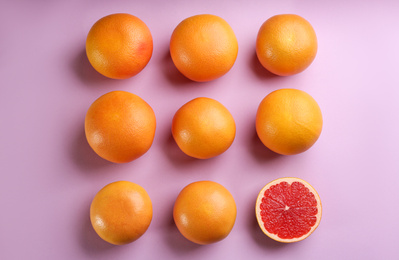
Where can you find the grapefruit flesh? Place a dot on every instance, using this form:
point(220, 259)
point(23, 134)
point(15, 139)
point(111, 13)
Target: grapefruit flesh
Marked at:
point(288, 209)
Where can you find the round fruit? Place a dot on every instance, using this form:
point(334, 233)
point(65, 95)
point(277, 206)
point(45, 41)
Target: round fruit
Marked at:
point(121, 212)
point(288, 121)
point(120, 126)
point(203, 47)
point(203, 128)
point(286, 44)
point(119, 46)
point(204, 212)
point(288, 210)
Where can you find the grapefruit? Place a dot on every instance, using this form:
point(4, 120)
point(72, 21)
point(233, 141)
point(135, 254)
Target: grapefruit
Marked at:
point(121, 212)
point(286, 44)
point(203, 47)
point(288, 209)
point(203, 128)
point(205, 212)
point(288, 121)
point(119, 46)
point(120, 126)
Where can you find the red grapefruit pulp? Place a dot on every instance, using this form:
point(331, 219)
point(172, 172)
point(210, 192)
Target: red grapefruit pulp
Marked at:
point(288, 209)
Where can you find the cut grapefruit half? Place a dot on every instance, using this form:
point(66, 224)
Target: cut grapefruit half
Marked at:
point(288, 209)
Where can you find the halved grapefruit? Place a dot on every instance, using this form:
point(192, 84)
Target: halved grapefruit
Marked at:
point(288, 209)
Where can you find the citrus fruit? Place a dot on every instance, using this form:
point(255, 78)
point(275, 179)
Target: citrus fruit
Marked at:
point(119, 46)
point(203, 47)
point(288, 121)
point(286, 44)
point(203, 128)
point(121, 212)
point(288, 209)
point(120, 126)
point(204, 212)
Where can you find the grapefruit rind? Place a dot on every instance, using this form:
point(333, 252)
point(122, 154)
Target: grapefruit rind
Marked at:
point(289, 180)
point(121, 212)
point(204, 212)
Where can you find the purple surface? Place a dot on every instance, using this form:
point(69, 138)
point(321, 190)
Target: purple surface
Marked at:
point(49, 174)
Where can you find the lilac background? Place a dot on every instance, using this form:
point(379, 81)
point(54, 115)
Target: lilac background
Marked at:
point(49, 174)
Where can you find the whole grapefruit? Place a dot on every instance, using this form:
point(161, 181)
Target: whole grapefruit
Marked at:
point(288, 121)
point(119, 46)
point(205, 212)
point(120, 126)
point(203, 47)
point(121, 212)
point(203, 128)
point(286, 44)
